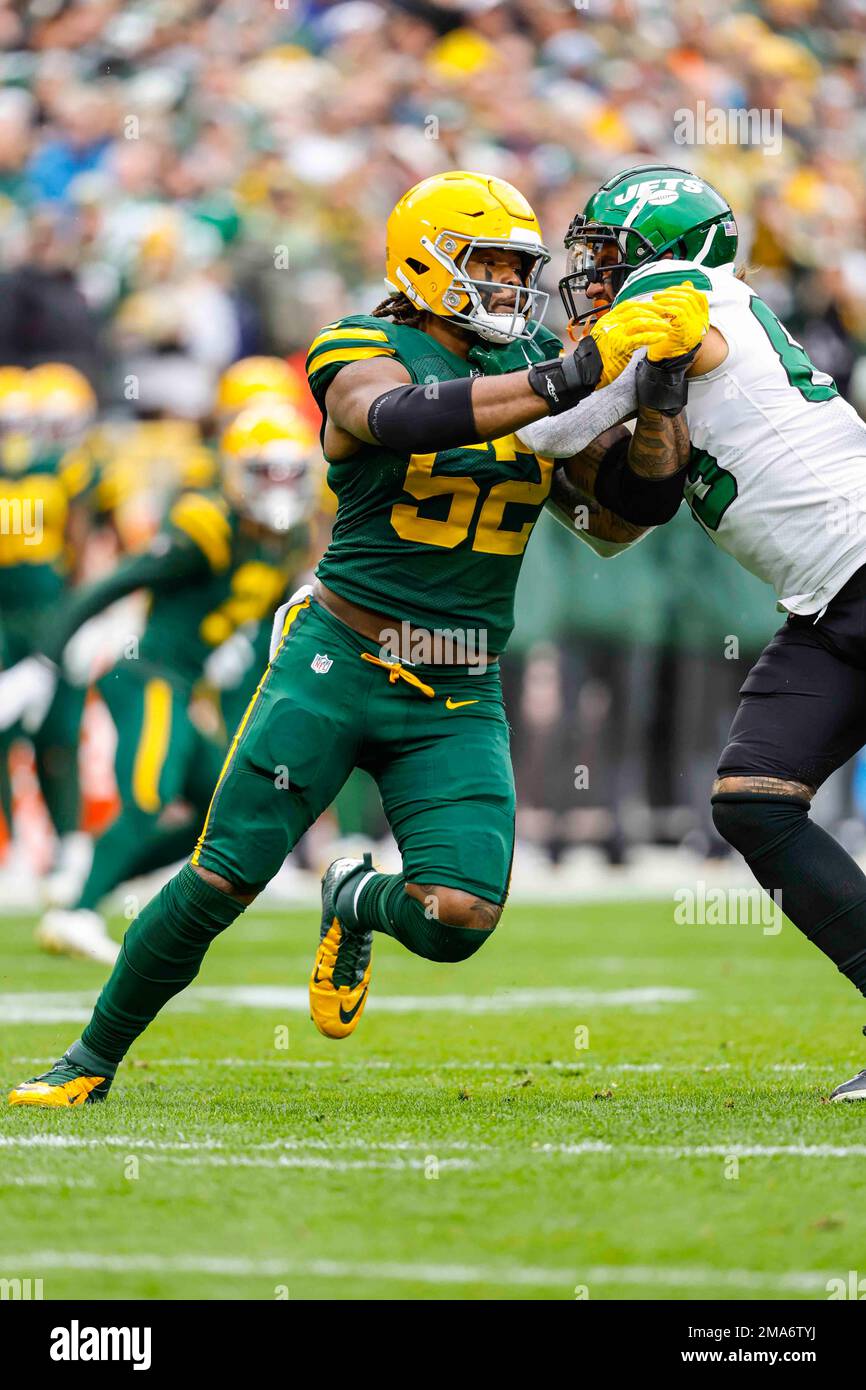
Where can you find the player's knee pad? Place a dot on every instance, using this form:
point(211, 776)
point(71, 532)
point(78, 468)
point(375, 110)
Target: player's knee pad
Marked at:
point(754, 823)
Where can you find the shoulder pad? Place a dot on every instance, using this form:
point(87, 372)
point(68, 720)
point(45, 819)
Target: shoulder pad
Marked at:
point(205, 521)
point(353, 339)
point(663, 275)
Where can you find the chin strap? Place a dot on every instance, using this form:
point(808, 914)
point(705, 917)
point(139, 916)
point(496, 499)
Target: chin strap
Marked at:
point(487, 327)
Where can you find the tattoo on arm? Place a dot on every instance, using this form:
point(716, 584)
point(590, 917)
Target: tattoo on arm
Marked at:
point(573, 486)
point(660, 446)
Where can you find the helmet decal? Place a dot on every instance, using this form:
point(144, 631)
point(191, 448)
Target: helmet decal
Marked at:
point(642, 215)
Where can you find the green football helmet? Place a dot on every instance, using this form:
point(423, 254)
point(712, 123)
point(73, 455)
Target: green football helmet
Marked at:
point(648, 212)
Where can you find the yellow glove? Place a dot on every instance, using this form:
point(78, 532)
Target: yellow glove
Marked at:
point(622, 330)
point(687, 313)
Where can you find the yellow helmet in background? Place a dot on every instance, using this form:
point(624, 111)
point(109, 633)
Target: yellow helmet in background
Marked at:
point(16, 418)
point(270, 456)
point(252, 378)
point(16, 401)
point(64, 402)
point(434, 230)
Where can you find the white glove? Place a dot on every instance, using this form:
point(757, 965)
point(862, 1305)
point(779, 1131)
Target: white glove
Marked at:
point(26, 692)
point(280, 616)
point(227, 665)
point(560, 436)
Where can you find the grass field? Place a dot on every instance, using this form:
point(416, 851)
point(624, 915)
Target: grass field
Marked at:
point(460, 1145)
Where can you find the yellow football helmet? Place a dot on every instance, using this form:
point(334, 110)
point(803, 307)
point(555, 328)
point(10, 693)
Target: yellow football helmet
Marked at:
point(16, 400)
point(270, 455)
point(434, 230)
point(64, 402)
point(253, 377)
point(16, 420)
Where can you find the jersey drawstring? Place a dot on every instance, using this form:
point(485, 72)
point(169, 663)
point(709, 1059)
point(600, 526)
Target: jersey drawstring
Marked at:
point(399, 673)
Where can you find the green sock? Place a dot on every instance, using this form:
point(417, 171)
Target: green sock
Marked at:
point(384, 905)
point(161, 953)
point(57, 769)
point(117, 855)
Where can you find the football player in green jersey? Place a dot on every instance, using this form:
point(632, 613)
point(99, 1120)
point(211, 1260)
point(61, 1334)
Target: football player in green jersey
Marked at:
point(217, 565)
point(377, 666)
point(46, 489)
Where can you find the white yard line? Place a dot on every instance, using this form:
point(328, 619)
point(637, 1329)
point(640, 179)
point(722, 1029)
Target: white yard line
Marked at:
point(333, 1165)
point(45, 1007)
point(447, 1064)
point(576, 1149)
point(732, 1150)
point(46, 1180)
point(801, 1281)
point(209, 1145)
point(503, 1001)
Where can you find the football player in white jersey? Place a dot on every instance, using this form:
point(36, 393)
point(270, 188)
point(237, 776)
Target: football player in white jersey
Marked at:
point(777, 477)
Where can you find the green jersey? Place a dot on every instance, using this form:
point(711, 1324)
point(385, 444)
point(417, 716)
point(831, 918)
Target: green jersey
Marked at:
point(436, 539)
point(207, 575)
point(34, 512)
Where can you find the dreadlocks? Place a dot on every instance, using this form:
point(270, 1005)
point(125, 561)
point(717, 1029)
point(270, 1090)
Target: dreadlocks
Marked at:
point(400, 310)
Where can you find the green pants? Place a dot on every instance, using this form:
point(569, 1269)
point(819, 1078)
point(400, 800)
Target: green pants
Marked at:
point(55, 743)
point(441, 761)
point(160, 756)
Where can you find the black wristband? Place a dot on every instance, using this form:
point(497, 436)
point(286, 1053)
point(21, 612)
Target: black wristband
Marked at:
point(564, 382)
point(641, 501)
point(663, 385)
point(425, 419)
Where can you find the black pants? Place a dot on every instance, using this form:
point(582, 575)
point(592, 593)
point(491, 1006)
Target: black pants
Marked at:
point(802, 710)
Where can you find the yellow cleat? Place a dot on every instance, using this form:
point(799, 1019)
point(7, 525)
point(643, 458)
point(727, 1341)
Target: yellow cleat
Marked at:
point(64, 1085)
point(340, 977)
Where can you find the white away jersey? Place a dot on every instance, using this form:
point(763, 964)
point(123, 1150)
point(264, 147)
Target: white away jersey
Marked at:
point(778, 466)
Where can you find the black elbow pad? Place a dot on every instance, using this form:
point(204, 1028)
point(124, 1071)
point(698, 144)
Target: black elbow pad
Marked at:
point(424, 419)
point(641, 501)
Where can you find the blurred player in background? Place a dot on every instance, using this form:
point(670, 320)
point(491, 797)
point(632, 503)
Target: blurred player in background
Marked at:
point(222, 562)
point(47, 482)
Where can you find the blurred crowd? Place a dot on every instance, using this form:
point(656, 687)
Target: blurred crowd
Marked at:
point(198, 179)
point(186, 182)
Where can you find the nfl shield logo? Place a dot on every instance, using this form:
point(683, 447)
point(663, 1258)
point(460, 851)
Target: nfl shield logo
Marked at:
point(320, 664)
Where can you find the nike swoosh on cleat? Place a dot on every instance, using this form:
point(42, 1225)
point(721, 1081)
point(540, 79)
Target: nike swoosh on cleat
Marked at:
point(347, 1017)
point(457, 704)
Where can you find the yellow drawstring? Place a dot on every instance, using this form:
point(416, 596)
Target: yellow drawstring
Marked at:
point(399, 673)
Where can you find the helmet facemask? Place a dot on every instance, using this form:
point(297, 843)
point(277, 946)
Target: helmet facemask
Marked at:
point(274, 487)
point(584, 242)
point(61, 423)
point(529, 302)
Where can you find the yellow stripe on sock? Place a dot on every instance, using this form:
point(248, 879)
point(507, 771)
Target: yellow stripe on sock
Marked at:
point(290, 618)
point(152, 746)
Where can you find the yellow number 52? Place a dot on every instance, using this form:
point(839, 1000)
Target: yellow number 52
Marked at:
point(464, 492)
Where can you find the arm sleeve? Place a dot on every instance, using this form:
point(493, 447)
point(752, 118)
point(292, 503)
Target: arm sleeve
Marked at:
point(561, 436)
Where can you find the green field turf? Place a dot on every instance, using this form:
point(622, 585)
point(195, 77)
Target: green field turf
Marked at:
point(470, 1151)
